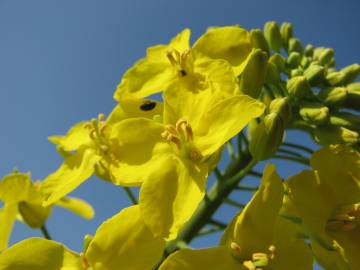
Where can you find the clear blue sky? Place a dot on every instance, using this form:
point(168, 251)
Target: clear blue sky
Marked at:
point(60, 62)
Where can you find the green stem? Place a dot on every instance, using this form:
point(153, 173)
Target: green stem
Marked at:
point(246, 188)
point(285, 151)
point(130, 195)
point(300, 147)
point(45, 232)
point(230, 149)
point(295, 159)
point(234, 203)
point(206, 231)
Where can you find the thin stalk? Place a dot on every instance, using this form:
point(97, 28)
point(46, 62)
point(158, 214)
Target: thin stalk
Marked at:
point(234, 203)
point(254, 173)
point(45, 232)
point(285, 151)
point(207, 231)
point(217, 223)
point(300, 147)
point(290, 158)
point(130, 195)
point(246, 188)
point(218, 174)
point(230, 149)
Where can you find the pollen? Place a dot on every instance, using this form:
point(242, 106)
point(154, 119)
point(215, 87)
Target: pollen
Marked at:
point(180, 61)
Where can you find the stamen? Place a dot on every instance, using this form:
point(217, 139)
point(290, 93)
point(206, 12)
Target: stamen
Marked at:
point(345, 218)
point(235, 248)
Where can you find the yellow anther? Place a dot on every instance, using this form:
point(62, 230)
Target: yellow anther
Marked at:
point(345, 218)
point(101, 117)
point(235, 248)
point(249, 265)
point(184, 129)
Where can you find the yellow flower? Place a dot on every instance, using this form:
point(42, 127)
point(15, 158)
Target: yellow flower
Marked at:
point(22, 199)
point(327, 199)
point(122, 242)
point(87, 149)
point(257, 238)
point(213, 62)
point(173, 158)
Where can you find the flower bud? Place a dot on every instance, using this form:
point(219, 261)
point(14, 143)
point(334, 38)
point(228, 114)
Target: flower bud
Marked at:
point(295, 46)
point(296, 72)
point(314, 113)
point(258, 40)
point(309, 50)
point(282, 107)
point(315, 74)
point(286, 31)
point(351, 73)
point(273, 36)
point(336, 78)
point(353, 96)
point(34, 215)
point(294, 60)
point(345, 119)
point(267, 137)
point(86, 242)
point(333, 95)
point(278, 60)
point(326, 56)
point(298, 87)
point(253, 76)
point(305, 61)
point(326, 135)
point(272, 74)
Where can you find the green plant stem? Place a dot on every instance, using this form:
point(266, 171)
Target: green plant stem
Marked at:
point(254, 173)
point(234, 203)
point(207, 231)
point(300, 147)
point(233, 174)
point(246, 188)
point(45, 232)
point(230, 149)
point(290, 158)
point(285, 151)
point(130, 195)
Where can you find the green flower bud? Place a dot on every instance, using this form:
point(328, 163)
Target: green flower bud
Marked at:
point(273, 36)
point(345, 119)
point(278, 60)
point(294, 60)
point(298, 87)
point(314, 113)
point(295, 46)
point(253, 76)
point(258, 40)
point(309, 50)
point(353, 96)
point(333, 95)
point(296, 72)
point(282, 107)
point(34, 215)
point(315, 74)
point(336, 78)
point(326, 135)
point(272, 74)
point(267, 137)
point(351, 73)
point(286, 31)
point(326, 56)
point(305, 61)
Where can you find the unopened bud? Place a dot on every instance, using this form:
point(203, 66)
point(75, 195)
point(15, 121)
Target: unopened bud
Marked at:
point(315, 74)
point(253, 76)
point(278, 60)
point(326, 56)
point(326, 135)
point(282, 107)
point(314, 113)
point(295, 46)
point(345, 119)
point(272, 74)
point(294, 60)
point(353, 96)
point(34, 215)
point(273, 36)
point(309, 50)
point(258, 40)
point(333, 95)
point(267, 137)
point(298, 87)
point(351, 73)
point(305, 61)
point(336, 78)
point(296, 72)
point(286, 31)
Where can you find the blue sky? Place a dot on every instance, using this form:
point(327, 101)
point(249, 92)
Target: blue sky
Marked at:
point(60, 62)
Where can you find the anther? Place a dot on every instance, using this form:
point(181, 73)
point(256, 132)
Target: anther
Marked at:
point(236, 250)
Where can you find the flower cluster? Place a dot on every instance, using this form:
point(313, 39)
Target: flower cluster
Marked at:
point(178, 108)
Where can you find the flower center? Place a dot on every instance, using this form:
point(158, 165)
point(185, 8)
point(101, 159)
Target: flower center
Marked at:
point(180, 61)
point(182, 136)
point(345, 218)
point(258, 260)
point(97, 129)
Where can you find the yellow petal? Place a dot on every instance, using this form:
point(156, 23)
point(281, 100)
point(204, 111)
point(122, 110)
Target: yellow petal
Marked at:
point(224, 120)
point(130, 108)
point(17, 187)
point(124, 242)
point(217, 258)
point(7, 219)
point(76, 137)
point(254, 227)
point(170, 195)
point(39, 254)
point(77, 206)
point(34, 215)
point(329, 259)
point(140, 147)
point(153, 73)
point(75, 170)
point(230, 43)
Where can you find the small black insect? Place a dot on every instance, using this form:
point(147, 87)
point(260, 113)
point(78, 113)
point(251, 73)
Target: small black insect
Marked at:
point(183, 73)
point(148, 105)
